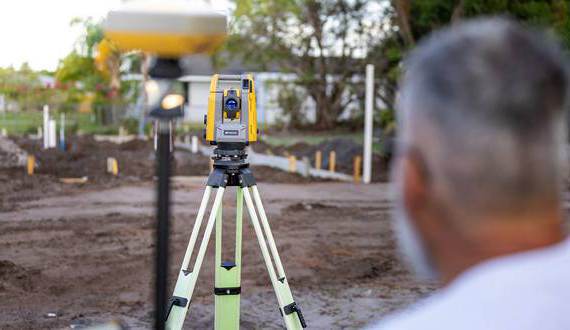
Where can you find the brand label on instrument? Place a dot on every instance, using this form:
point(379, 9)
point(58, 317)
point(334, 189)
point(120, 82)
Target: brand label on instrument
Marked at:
point(232, 132)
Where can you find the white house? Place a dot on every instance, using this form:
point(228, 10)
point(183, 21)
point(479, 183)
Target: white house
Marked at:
point(267, 84)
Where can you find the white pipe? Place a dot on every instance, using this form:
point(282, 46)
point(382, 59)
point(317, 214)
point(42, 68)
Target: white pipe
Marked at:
point(194, 144)
point(52, 143)
point(46, 126)
point(368, 124)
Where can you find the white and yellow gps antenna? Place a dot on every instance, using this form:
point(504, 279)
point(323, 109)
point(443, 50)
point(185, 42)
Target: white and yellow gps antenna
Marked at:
point(169, 29)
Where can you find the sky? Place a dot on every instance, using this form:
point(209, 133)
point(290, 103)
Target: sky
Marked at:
point(38, 31)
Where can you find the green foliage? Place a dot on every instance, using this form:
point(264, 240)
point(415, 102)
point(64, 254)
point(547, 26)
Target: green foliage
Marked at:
point(28, 122)
point(24, 87)
point(91, 36)
point(76, 67)
point(102, 84)
point(387, 117)
point(130, 124)
point(427, 15)
point(321, 42)
point(290, 99)
point(423, 17)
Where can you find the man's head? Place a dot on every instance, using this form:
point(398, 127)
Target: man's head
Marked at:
point(481, 145)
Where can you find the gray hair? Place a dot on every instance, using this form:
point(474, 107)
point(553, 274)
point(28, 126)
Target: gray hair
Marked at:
point(483, 103)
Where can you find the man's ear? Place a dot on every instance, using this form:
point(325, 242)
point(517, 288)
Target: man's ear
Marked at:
point(416, 184)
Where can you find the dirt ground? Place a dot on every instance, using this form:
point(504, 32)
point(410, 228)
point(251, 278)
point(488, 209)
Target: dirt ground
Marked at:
point(81, 254)
point(84, 256)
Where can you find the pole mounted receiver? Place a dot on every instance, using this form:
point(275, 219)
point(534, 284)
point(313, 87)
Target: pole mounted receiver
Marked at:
point(168, 30)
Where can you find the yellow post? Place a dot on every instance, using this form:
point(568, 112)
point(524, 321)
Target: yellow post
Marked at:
point(112, 166)
point(332, 161)
point(357, 164)
point(115, 167)
point(318, 160)
point(31, 164)
point(292, 164)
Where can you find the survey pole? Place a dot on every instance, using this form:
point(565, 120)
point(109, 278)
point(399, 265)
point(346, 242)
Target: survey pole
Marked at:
point(368, 124)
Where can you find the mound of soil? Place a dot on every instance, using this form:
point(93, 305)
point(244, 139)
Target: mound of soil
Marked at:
point(346, 150)
point(86, 157)
point(10, 154)
point(136, 159)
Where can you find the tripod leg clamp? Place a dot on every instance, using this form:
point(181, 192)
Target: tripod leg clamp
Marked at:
point(175, 301)
point(218, 178)
point(293, 308)
point(227, 291)
point(246, 178)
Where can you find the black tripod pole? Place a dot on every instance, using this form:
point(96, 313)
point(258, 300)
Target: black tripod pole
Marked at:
point(162, 222)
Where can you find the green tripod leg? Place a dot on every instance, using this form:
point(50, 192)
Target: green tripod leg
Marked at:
point(188, 276)
point(289, 309)
point(228, 275)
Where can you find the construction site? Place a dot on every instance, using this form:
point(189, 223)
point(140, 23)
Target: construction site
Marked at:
point(229, 164)
point(76, 253)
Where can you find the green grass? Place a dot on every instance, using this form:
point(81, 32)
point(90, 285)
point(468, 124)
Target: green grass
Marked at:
point(27, 122)
point(18, 123)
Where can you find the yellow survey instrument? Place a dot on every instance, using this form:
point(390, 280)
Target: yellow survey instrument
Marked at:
point(232, 115)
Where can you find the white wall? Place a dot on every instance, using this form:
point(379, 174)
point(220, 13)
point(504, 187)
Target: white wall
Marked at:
point(198, 92)
point(267, 85)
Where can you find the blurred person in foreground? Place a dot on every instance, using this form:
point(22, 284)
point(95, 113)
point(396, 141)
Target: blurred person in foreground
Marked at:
point(479, 174)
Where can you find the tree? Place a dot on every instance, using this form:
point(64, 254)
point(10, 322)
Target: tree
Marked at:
point(321, 42)
point(413, 20)
point(93, 69)
point(326, 44)
point(24, 87)
point(416, 19)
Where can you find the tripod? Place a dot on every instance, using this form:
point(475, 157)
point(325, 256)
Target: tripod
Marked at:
point(231, 169)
